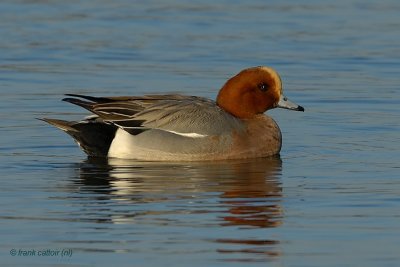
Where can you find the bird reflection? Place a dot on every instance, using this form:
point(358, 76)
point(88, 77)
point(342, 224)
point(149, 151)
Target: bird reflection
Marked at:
point(253, 196)
point(248, 194)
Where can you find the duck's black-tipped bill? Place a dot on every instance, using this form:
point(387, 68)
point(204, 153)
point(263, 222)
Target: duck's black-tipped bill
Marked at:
point(287, 104)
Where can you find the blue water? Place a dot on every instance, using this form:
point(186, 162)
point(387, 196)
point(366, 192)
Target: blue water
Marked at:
point(331, 199)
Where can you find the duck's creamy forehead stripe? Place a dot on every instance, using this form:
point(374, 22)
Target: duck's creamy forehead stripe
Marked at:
point(274, 75)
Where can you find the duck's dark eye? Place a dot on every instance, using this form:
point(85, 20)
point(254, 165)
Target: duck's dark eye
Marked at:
point(263, 87)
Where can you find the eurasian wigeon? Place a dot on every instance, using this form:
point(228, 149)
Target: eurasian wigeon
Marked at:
point(179, 127)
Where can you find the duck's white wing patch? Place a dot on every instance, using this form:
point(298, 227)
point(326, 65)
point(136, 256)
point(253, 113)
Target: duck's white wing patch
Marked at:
point(191, 135)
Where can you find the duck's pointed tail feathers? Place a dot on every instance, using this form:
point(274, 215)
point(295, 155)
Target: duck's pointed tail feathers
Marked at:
point(93, 136)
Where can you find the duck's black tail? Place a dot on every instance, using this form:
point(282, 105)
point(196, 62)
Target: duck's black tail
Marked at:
point(94, 136)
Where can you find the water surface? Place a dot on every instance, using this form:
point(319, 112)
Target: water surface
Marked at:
point(330, 199)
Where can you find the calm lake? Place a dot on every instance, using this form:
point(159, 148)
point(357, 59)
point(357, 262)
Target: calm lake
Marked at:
point(332, 198)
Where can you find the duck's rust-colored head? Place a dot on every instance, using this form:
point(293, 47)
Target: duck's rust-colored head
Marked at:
point(254, 91)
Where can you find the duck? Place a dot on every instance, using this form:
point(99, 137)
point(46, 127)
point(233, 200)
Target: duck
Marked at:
point(175, 127)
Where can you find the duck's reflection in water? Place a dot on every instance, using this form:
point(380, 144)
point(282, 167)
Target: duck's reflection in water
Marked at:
point(245, 194)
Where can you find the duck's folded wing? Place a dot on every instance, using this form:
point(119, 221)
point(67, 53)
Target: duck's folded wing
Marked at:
point(174, 113)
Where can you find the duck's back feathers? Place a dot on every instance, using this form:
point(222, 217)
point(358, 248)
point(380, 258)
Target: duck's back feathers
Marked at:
point(175, 113)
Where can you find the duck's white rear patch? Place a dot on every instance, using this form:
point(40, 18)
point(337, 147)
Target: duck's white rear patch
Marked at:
point(123, 145)
point(141, 146)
